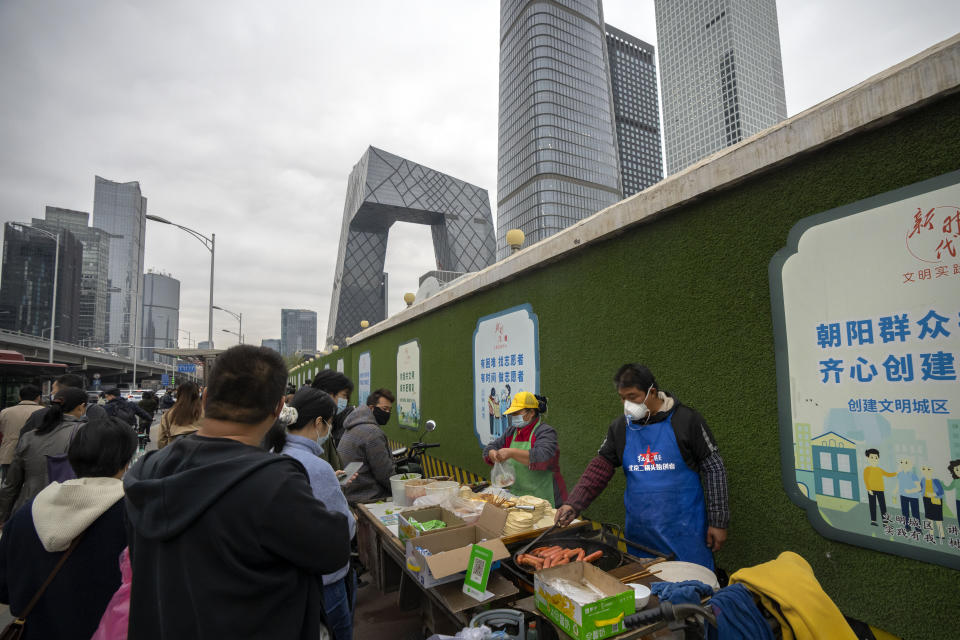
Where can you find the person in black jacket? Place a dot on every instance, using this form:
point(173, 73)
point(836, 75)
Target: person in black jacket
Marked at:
point(339, 387)
point(119, 407)
point(89, 507)
point(229, 538)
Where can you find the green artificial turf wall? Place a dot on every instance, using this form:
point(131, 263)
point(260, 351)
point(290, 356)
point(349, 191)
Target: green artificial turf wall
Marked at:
point(688, 295)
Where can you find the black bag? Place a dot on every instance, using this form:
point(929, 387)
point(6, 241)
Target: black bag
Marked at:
point(121, 409)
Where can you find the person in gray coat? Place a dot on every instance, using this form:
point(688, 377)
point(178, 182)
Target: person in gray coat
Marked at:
point(27, 475)
point(364, 441)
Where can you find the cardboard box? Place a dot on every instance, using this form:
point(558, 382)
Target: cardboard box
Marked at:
point(593, 621)
point(443, 556)
point(406, 531)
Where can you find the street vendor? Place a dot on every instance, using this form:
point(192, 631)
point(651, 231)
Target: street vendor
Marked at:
point(531, 448)
point(676, 497)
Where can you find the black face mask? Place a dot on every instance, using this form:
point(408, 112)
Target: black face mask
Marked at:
point(381, 416)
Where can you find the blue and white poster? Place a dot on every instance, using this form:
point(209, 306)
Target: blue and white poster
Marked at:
point(363, 378)
point(506, 361)
point(340, 365)
point(408, 384)
point(866, 302)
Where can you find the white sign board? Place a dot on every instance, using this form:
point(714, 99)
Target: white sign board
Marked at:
point(340, 365)
point(408, 384)
point(363, 378)
point(866, 304)
point(506, 361)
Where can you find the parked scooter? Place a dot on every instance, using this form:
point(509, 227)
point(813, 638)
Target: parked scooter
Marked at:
point(407, 459)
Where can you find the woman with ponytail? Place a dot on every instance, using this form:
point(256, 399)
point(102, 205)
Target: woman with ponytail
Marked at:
point(28, 471)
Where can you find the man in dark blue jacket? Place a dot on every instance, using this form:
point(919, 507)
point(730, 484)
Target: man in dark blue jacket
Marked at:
point(228, 537)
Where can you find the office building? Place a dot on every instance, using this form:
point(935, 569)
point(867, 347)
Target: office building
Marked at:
point(298, 331)
point(161, 313)
point(633, 80)
point(271, 343)
point(720, 74)
point(557, 156)
point(95, 278)
point(120, 210)
point(204, 344)
point(26, 290)
point(384, 188)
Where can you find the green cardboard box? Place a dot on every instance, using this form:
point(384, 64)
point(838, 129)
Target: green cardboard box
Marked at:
point(593, 621)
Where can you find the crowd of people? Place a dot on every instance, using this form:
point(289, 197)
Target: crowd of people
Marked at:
point(239, 524)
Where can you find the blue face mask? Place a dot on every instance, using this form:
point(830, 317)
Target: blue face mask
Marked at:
point(341, 404)
point(517, 420)
point(322, 439)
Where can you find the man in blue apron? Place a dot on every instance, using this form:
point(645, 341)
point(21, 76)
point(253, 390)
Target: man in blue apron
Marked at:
point(676, 496)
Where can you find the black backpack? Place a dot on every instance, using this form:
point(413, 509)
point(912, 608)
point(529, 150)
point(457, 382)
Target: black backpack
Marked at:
point(122, 409)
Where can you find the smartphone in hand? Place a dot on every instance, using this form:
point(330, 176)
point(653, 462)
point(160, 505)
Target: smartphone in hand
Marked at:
point(349, 471)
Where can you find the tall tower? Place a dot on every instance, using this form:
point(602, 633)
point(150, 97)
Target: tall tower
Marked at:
point(120, 209)
point(721, 74)
point(29, 260)
point(298, 331)
point(633, 78)
point(95, 278)
point(383, 189)
point(557, 159)
point(161, 313)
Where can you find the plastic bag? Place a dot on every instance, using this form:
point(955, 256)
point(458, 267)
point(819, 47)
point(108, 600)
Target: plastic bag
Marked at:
point(502, 475)
point(464, 508)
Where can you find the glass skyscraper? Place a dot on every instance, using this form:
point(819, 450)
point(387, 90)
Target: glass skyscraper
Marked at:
point(721, 74)
point(95, 279)
point(161, 313)
point(120, 209)
point(27, 289)
point(633, 78)
point(298, 331)
point(557, 159)
point(383, 189)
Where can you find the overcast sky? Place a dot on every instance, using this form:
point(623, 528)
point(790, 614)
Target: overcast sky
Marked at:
point(244, 119)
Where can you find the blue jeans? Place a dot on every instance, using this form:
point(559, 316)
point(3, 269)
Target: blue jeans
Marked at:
point(339, 609)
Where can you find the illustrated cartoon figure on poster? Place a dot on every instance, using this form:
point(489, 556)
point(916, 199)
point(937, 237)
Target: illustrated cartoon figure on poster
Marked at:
point(932, 498)
point(909, 487)
point(505, 397)
point(954, 469)
point(493, 408)
point(873, 477)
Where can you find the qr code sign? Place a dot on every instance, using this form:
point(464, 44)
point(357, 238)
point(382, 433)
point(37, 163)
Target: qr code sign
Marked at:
point(476, 572)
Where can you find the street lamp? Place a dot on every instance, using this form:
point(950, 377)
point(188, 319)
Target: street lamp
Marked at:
point(56, 269)
point(234, 333)
point(189, 339)
point(239, 317)
point(210, 244)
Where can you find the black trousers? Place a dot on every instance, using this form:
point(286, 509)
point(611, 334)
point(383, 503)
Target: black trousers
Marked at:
point(873, 497)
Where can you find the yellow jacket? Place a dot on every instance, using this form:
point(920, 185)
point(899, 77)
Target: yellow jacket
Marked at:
point(789, 590)
point(873, 478)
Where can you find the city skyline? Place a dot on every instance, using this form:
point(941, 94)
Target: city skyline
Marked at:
point(189, 110)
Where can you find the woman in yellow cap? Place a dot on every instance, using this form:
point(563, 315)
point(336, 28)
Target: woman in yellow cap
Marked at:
point(530, 446)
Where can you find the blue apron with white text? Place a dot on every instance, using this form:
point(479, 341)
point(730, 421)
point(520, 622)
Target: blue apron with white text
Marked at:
point(664, 497)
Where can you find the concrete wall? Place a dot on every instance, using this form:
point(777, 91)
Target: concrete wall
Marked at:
point(676, 277)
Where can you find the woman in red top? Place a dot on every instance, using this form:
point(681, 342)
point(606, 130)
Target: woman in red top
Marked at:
point(531, 448)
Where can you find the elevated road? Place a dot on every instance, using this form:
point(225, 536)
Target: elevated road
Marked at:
point(112, 368)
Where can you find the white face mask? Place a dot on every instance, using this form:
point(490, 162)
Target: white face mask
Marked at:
point(637, 412)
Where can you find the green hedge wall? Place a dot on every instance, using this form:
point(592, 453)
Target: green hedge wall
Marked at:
point(688, 295)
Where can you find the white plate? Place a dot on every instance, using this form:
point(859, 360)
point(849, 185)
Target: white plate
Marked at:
point(676, 571)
